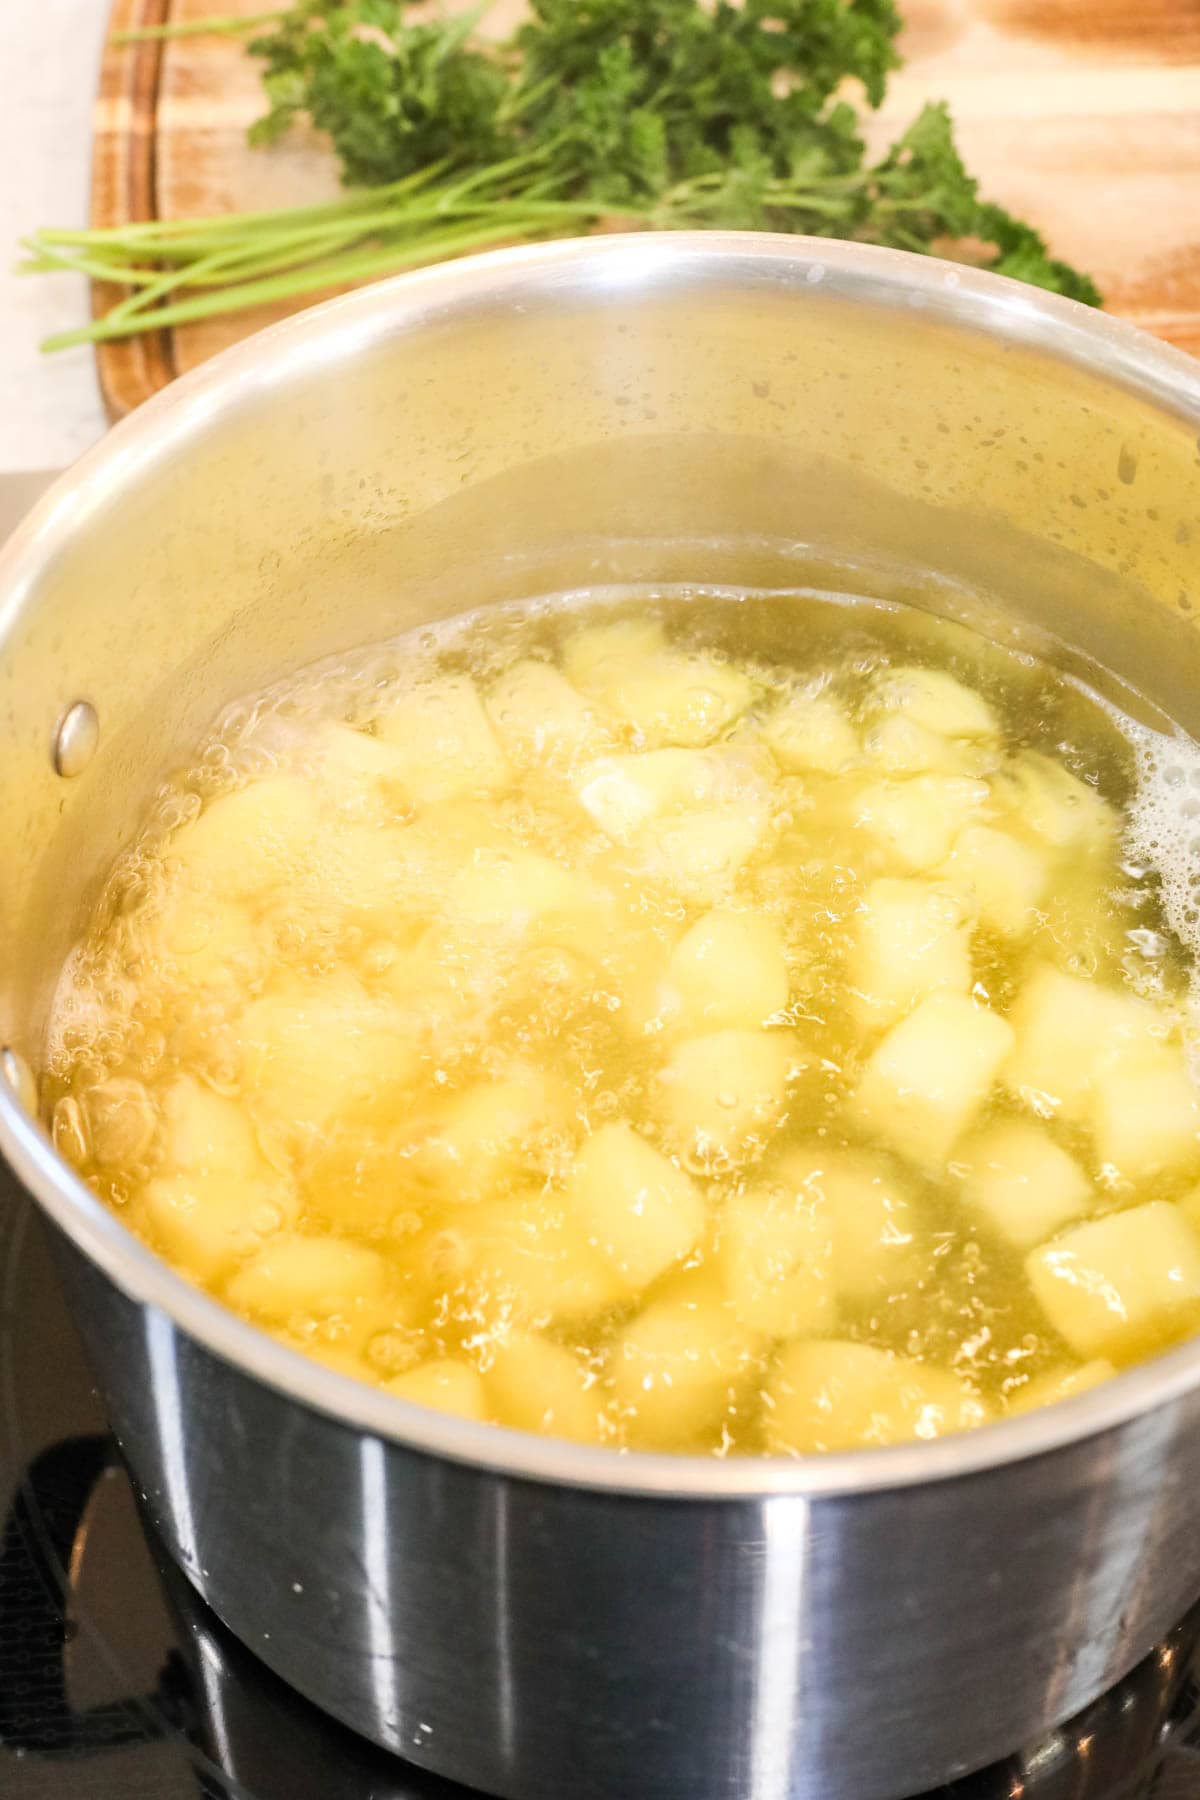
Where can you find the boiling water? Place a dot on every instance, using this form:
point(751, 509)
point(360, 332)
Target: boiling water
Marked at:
point(717, 1021)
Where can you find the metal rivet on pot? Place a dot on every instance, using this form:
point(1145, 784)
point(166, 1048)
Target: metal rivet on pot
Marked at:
point(76, 738)
point(19, 1076)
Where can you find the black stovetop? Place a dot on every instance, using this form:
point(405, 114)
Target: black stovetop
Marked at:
point(116, 1683)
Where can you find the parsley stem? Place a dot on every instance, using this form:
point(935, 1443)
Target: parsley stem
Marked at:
point(229, 26)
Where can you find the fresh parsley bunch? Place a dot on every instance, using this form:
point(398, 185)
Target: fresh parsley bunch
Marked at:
point(658, 113)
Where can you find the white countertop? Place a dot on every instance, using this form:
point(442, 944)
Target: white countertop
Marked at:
point(50, 407)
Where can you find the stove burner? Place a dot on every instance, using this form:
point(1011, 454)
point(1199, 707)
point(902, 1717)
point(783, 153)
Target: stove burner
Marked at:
point(117, 1683)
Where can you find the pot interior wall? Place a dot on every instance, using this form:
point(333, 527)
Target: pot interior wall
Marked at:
point(454, 450)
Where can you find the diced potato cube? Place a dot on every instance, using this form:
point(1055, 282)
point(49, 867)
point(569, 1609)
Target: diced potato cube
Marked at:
point(447, 746)
point(447, 1385)
point(489, 1133)
point(597, 657)
point(623, 794)
point(702, 855)
point(525, 1261)
point(1054, 804)
point(1021, 1182)
point(354, 1183)
point(1122, 1283)
point(899, 746)
point(248, 842)
point(684, 697)
point(936, 701)
point(361, 775)
point(677, 1367)
point(932, 1072)
point(871, 1215)
point(540, 718)
point(516, 889)
point(633, 1204)
point(810, 732)
point(207, 1219)
point(727, 969)
point(360, 873)
point(776, 1260)
point(1069, 1031)
point(537, 1385)
point(721, 1096)
point(300, 1276)
point(1061, 1384)
point(1005, 878)
point(697, 816)
point(836, 1395)
point(668, 695)
point(915, 822)
point(1145, 1118)
point(911, 939)
point(202, 1130)
point(313, 1051)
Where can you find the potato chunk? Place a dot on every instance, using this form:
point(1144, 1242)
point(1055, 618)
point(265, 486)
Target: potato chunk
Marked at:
point(937, 702)
point(1061, 1384)
point(668, 695)
point(702, 855)
point(361, 776)
point(312, 1051)
point(246, 843)
point(870, 1212)
point(911, 939)
point(678, 1366)
point(359, 873)
point(202, 1130)
point(1055, 805)
point(728, 969)
point(208, 1219)
point(516, 889)
point(1021, 1182)
point(489, 1133)
point(540, 718)
point(1145, 1118)
point(520, 1262)
point(915, 822)
point(1005, 879)
point(624, 794)
point(296, 1275)
point(899, 746)
point(447, 1384)
point(811, 732)
point(1126, 1282)
point(932, 1072)
point(447, 747)
point(596, 657)
point(638, 1209)
point(776, 1259)
point(843, 1396)
point(722, 1095)
point(537, 1385)
point(1069, 1031)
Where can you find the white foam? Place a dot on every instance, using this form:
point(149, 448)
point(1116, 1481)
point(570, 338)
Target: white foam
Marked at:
point(1163, 834)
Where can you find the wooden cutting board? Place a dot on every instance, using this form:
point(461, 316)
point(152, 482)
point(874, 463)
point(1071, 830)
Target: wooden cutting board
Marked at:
point(1083, 115)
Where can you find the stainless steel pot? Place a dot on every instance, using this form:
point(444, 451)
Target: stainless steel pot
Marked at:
point(531, 1617)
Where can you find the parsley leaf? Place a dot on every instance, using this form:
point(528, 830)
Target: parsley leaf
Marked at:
point(659, 113)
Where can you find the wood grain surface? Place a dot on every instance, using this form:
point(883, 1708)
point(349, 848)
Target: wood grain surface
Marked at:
point(1082, 115)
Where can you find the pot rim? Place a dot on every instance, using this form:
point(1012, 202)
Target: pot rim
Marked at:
point(631, 263)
